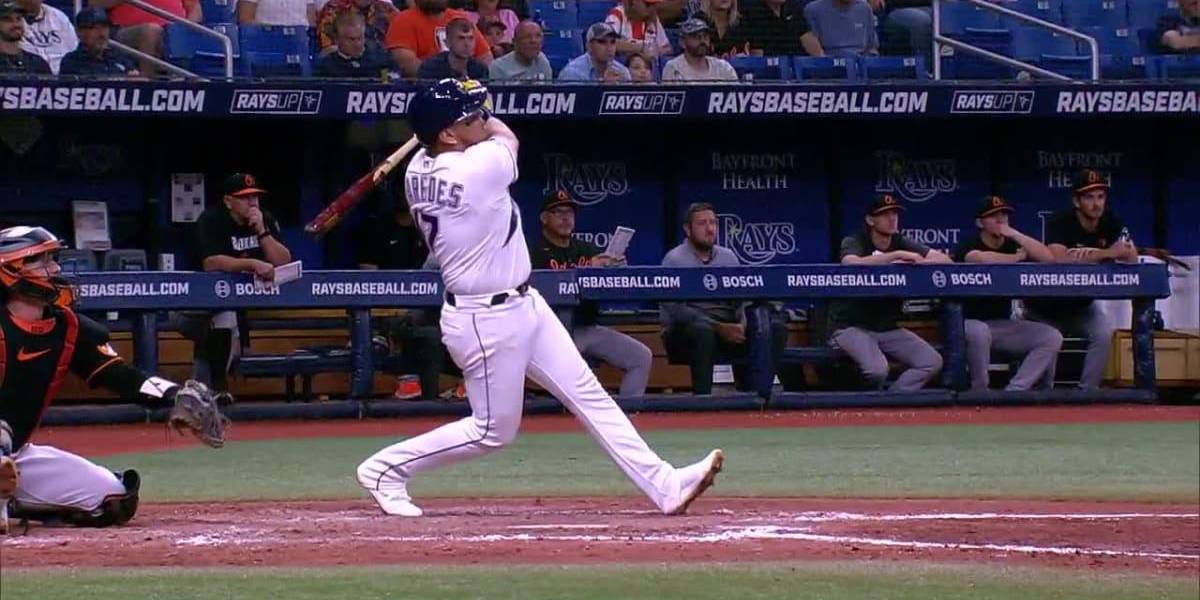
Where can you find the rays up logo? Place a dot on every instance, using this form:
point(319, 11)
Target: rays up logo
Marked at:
point(588, 182)
point(755, 243)
point(914, 180)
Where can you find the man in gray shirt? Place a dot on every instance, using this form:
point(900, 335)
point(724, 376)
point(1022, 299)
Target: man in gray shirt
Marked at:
point(526, 62)
point(696, 332)
point(844, 27)
point(695, 64)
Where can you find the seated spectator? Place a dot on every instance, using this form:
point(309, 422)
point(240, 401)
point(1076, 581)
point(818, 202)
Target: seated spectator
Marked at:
point(771, 28)
point(286, 13)
point(456, 62)
point(489, 11)
point(13, 59)
point(376, 15)
point(48, 32)
point(1086, 233)
point(493, 32)
point(905, 27)
point(1179, 32)
point(699, 331)
point(640, 29)
point(989, 324)
point(526, 62)
point(143, 31)
point(599, 62)
point(351, 56)
point(695, 64)
point(418, 33)
point(724, 17)
point(94, 57)
point(558, 250)
point(843, 27)
point(235, 237)
point(641, 70)
point(867, 330)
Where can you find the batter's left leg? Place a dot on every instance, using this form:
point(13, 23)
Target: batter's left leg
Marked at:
point(556, 365)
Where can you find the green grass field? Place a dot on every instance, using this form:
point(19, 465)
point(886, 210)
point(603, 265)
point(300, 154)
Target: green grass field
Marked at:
point(1141, 462)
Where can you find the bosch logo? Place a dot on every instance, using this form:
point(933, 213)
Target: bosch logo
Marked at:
point(710, 282)
point(939, 279)
point(222, 289)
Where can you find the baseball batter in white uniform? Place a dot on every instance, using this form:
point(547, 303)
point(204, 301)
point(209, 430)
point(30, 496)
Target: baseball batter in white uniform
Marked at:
point(497, 328)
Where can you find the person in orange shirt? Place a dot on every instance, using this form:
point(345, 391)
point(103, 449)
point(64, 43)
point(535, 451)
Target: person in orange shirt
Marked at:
point(420, 32)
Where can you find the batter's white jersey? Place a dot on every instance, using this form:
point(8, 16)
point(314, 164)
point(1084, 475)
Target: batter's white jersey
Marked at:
point(460, 201)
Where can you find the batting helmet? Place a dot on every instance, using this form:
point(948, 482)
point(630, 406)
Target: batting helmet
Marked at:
point(17, 246)
point(444, 104)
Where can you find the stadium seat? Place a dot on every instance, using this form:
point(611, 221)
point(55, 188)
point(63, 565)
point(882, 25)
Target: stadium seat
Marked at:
point(555, 14)
point(806, 68)
point(275, 51)
point(958, 16)
point(563, 42)
point(1122, 67)
point(557, 62)
point(1046, 10)
point(963, 65)
point(593, 11)
point(1115, 42)
point(76, 260)
point(892, 67)
point(218, 11)
point(1029, 43)
point(1148, 41)
point(1144, 14)
point(1174, 66)
point(202, 54)
point(125, 260)
point(761, 68)
point(1075, 67)
point(1095, 13)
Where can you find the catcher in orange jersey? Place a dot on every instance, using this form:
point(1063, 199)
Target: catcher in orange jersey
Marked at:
point(41, 339)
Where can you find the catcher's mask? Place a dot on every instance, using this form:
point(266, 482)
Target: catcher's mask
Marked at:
point(28, 267)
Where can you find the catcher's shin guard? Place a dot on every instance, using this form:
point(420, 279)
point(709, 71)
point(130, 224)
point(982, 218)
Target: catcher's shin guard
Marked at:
point(113, 510)
point(8, 487)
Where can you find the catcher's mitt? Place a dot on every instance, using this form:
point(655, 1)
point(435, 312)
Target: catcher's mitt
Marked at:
point(197, 411)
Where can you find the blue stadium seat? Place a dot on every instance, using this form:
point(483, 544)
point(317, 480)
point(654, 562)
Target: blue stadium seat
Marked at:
point(563, 42)
point(1046, 10)
point(557, 62)
point(1175, 66)
point(202, 54)
point(218, 11)
point(1114, 42)
point(892, 67)
point(1122, 67)
point(761, 68)
point(805, 68)
point(1075, 67)
point(1029, 43)
point(1095, 13)
point(125, 260)
point(555, 14)
point(1147, 41)
point(593, 11)
point(76, 260)
point(1144, 14)
point(276, 51)
point(967, 66)
point(958, 16)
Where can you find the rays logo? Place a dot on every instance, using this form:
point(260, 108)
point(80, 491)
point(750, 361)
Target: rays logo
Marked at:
point(914, 180)
point(710, 282)
point(755, 243)
point(589, 182)
point(221, 289)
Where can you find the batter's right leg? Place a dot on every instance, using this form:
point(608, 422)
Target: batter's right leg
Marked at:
point(491, 347)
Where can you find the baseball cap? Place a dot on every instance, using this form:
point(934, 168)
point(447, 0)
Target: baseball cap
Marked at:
point(557, 198)
point(602, 30)
point(1088, 179)
point(242, 184)
point(884, 203)
point(992, 205)
point(693, 26)
point(92, 15)
point(8, 7)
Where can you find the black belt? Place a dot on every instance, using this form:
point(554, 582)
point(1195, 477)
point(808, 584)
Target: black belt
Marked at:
point(496, 300)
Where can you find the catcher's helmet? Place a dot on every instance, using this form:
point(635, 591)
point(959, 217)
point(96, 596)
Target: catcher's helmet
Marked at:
point(17, 246)
point(443, 104)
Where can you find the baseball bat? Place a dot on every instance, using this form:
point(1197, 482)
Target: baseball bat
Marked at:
point(347, 200)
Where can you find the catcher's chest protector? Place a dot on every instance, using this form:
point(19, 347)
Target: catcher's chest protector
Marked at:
point(34, 359)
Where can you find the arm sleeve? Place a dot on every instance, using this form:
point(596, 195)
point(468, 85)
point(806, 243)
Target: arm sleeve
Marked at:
point(493, 164)
point(959, 254)
point(99, 365)
point(482, 48)
point(399, 35)
point(207, 243)
point(851, 246)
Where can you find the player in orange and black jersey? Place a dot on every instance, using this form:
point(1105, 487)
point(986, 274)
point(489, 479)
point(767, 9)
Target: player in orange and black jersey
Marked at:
point(41, 338)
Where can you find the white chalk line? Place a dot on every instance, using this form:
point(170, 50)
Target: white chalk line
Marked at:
point(825, 517)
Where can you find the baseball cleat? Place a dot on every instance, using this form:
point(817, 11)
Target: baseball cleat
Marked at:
point(396, 504)
point(696, 478)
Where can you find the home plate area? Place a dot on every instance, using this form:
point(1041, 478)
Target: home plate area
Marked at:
point(1153, 537)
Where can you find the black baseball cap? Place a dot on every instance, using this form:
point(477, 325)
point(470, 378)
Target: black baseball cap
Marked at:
point(557, 198)
point(992, 205)
point(242, 184)
point(1087, 180)
point(8, 7)
point(884, 203)
point(91, 16)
